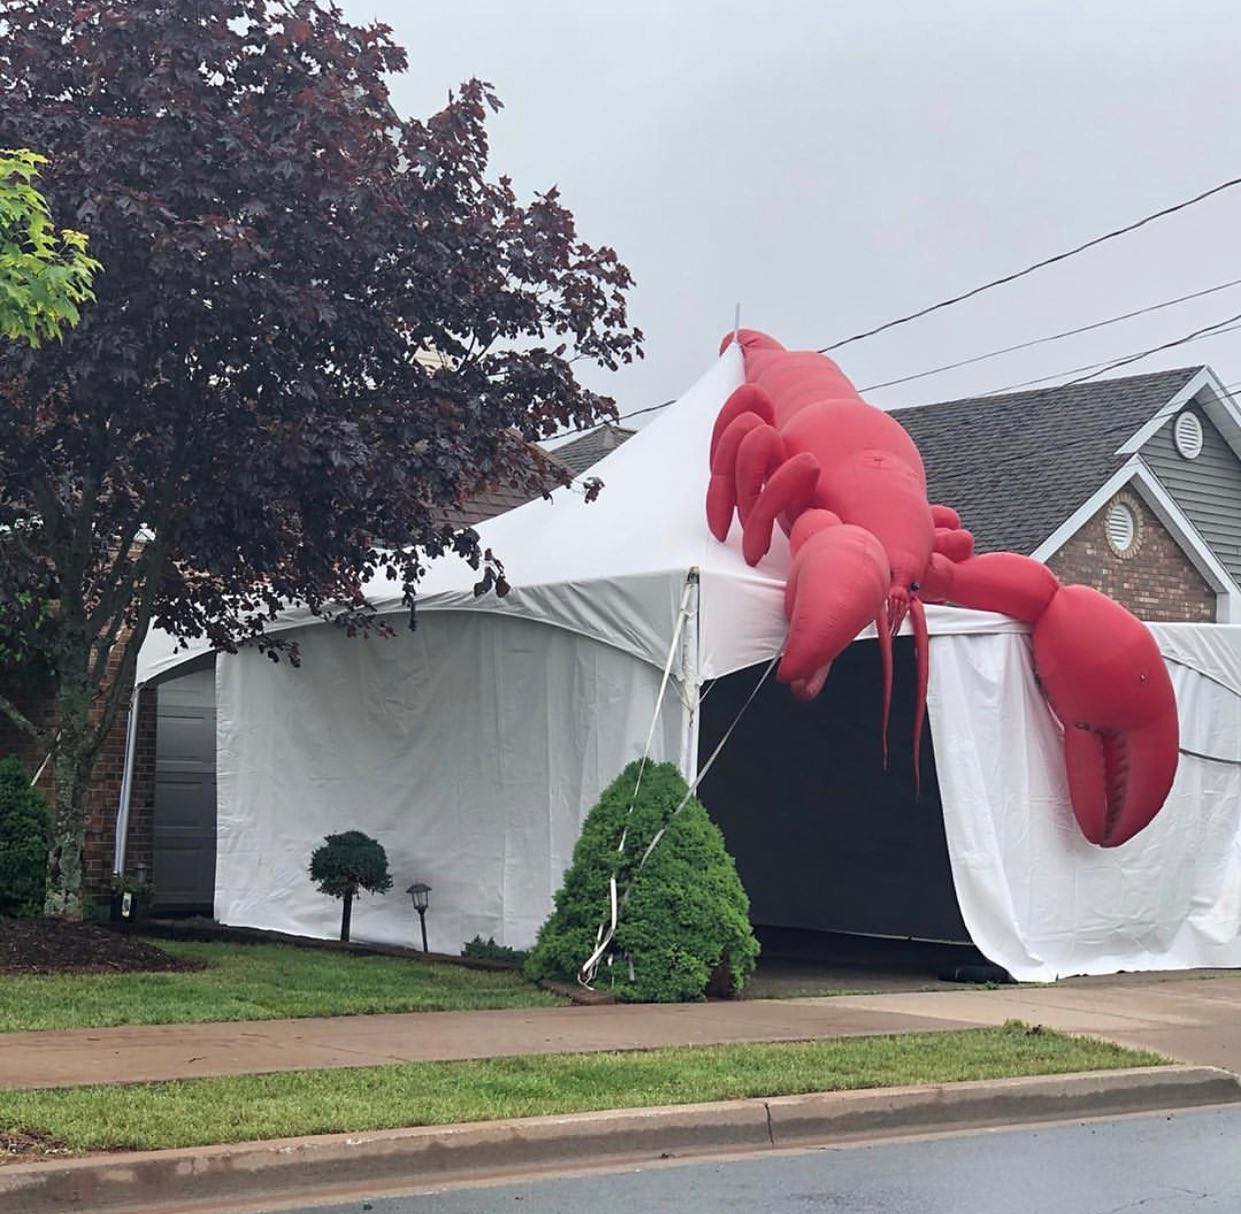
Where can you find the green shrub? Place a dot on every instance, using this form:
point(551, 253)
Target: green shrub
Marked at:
point(24, 836)
point(489, 950)
point(686, 920)
point(347, 863)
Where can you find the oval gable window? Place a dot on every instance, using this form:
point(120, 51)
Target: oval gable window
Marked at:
point(1187, 434)
point(1122, 528)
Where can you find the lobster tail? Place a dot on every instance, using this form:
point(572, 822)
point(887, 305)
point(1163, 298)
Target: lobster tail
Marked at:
point(917, 617)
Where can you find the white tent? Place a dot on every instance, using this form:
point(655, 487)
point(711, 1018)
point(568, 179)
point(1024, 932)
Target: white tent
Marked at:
point(473, 746)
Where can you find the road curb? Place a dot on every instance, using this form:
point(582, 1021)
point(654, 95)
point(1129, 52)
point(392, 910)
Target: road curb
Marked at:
point(430, 1155)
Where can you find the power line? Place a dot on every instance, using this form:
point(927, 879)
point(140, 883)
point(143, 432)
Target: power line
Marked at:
point(1030, 269)
point(1223, 326)
point(1038, 341)
point(1215, 330)
point(620, 417)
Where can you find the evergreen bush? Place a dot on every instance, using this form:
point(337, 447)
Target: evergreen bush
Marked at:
point(686, 920)
point(347, 863)
point(25, 828)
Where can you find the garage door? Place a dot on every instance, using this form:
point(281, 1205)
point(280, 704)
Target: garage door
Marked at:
point(185, 808)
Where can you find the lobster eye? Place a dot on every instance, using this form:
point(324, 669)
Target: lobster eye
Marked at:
point(914, 586)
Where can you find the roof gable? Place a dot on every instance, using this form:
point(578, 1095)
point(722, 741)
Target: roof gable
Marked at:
point(588, 449)
point(1017, 465)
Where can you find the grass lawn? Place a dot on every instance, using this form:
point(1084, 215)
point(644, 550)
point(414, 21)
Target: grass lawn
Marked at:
point(256, 982)
point(241, 1108)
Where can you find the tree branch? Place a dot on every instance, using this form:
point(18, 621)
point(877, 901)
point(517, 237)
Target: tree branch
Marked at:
point(157, 553)
point(22, 721)
point(112, 592)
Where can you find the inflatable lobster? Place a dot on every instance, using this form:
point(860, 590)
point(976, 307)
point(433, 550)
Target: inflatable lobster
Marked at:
point(797, 444)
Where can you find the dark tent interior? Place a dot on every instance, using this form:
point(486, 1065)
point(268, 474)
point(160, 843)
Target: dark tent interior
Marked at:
point(837, 855)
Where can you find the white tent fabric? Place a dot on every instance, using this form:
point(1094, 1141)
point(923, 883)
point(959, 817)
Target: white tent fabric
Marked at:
point(1036, 897)
point(614, 568)
point(473, 747)
point(468, 749)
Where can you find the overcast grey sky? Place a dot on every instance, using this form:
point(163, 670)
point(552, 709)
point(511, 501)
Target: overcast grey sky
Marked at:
point(831, 165)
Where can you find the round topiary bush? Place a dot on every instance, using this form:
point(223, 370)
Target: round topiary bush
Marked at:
point(686, 919)
point(24, 831)
point(347, 863)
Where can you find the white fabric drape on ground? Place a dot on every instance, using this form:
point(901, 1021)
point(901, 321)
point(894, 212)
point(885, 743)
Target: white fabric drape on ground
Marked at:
point(1037, 898)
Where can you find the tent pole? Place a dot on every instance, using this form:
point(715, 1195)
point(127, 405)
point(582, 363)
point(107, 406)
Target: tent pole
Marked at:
point(690, 682)
point(127, 784)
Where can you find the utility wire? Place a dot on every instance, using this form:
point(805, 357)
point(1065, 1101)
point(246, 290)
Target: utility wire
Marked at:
point(1223, 326)
point(620, 417)
point(1214, 330)
point(1038, 265)
point(1039, 341)
point(1209, 331)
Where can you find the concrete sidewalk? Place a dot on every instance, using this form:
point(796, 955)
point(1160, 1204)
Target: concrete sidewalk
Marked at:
point(1195, 1020)
point(121, 1055)
point(1192, 1020)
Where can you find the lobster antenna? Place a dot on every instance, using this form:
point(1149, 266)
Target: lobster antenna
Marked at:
point(736, 323)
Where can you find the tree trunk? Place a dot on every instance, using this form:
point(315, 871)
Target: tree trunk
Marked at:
point(345, 914)
point(73, 764)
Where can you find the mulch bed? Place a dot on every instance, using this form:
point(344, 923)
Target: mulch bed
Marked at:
point(60, 946)
point(16, 1145)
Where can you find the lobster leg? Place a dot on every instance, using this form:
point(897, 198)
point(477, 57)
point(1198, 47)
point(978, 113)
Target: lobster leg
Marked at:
point(722, 488)
point(751, 475)
point(789, 492)
point(746, 448)
point(1103, 677)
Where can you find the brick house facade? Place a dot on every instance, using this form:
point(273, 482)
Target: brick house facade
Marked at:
point(34, 695)
point(1152, 576)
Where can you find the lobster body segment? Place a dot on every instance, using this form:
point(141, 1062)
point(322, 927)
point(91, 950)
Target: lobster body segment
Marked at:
point(796, 445)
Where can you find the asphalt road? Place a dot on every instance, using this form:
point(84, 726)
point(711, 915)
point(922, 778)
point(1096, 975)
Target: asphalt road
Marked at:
point(1183, 1163)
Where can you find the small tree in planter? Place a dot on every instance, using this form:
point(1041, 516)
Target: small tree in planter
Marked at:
point(347, 863)
point(685, 925)
point(24, 830)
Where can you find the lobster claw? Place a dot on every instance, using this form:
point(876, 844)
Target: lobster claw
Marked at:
point(1104, 678)
point(837, 585)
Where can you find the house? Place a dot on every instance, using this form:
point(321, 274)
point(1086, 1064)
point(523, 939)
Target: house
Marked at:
point(1130, 485)
point(583, 452)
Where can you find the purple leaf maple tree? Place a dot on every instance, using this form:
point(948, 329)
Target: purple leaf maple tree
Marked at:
point(319, 326)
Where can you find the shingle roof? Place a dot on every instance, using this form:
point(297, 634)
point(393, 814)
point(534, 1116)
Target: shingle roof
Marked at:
point(584, 452)
point(1016, 466)
point(489, 500)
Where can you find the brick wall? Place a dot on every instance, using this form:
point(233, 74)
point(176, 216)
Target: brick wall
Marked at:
point(36, 697)
point(1153, 578)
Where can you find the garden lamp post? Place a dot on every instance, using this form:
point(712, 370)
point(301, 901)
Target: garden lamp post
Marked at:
point(420, 893)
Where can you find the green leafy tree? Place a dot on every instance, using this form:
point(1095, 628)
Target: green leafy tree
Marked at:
point(685, 921)
point(249, 413)
point(44, 274)
point(24, 830)
point(345, 864)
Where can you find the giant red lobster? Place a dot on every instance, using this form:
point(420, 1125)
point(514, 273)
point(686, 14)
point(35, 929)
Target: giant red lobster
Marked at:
point(797, 444)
